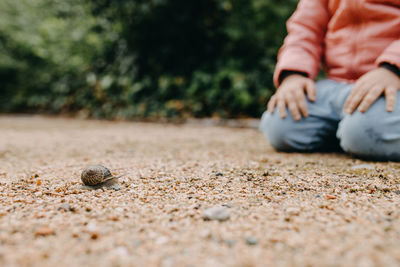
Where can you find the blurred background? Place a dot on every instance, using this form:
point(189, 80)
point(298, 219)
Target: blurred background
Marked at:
point(123, 59)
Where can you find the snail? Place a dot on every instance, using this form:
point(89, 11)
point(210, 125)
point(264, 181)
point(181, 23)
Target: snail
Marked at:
point(96, 175)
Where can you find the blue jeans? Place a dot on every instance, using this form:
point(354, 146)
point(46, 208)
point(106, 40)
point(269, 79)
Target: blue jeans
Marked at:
point(374, 134)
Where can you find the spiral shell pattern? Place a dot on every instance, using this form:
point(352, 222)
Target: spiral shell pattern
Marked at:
point(95, 174)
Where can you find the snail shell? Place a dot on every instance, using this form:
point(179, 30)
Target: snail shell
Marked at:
point(96, 174)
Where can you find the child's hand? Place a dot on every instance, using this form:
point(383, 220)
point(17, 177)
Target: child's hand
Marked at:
point(369, 87)
point(291, 94)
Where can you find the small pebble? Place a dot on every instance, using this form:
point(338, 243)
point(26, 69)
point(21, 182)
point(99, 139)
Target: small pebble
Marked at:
point(44, 231)
point(162, 240)
point(206, 233)
point(293, 211)
point(137, 243)
point(329, 197)
point(119, 209)
point(230, 243)
point(94, 236)
point(397, 192)
point(116, 187)
point(251, 241)
point(216, 213)
point(120, 251)
point(363, 166)
point(92, 227)
point(66, 207)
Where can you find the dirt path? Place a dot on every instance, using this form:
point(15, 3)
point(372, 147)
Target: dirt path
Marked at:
point(285, 209)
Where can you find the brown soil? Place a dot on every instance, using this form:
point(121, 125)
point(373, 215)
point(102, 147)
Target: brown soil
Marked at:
point(285, 209)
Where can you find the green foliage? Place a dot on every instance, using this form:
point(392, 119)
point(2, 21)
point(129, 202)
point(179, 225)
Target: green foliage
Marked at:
point(153, 58)
point(46, 49)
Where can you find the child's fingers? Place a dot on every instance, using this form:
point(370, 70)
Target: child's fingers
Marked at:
point(370, 98)
point(293, 108)
point(354, 98)
point(281, 107)
point(349, 100)
point(390, 95)
point(302, 103)
point(311, 90)
point(271, 104)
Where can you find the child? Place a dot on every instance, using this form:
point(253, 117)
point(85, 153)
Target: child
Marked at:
point(358, 44)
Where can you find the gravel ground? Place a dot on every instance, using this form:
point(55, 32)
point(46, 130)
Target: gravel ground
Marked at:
point(277, 209)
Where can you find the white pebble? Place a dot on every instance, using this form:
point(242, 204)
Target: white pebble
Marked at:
point(92, 227)
point(216, 213)
point(363, 166)
point(162, 240)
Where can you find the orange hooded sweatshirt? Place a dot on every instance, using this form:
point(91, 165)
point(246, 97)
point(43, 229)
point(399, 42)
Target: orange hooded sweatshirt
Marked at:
point(347, 37)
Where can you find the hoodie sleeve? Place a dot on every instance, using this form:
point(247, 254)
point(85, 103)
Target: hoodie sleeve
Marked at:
point(303, 46)
point(391, 55)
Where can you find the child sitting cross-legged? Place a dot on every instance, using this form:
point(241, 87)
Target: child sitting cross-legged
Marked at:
point(357, 43)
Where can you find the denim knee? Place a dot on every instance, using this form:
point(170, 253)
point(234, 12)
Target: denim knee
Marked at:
point(274, 129)
point(371, 135)
point(285, 134)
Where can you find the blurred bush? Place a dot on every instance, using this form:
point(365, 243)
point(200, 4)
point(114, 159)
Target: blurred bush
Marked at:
point(143, 58)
